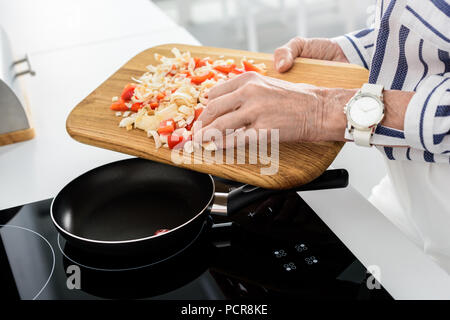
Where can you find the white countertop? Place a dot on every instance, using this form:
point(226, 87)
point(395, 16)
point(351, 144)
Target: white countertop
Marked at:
point(46, 25)
point(77, 57)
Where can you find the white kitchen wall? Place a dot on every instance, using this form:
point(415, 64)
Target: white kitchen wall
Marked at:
point(220, 23)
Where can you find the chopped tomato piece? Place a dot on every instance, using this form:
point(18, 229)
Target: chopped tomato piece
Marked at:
point(173, 140)
point(160, 96)
point(136, 106)
point(226, 68)
point(201, 79)
point(201, 62)
point(197, 113)
point(166, 127)
point(237, 71)
point(251, 67)
point(154, 105)
point(197, 61)
point(160, 231)
point(128, 92)
point(119, 106)
point(176, 142)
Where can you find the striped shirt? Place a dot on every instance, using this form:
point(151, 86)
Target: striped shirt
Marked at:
point(408, 49)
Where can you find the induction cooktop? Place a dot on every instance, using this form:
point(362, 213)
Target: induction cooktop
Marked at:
point(276, 248)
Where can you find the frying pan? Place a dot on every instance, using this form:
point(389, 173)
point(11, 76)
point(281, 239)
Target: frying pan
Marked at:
point(117, 208)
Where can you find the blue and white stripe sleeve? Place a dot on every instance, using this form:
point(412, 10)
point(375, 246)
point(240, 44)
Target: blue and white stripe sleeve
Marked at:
point(427, 119)
point(358, 46)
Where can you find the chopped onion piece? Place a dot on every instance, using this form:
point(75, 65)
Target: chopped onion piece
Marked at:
point(155, 135)
point(190, 119)
point(210, 146)
point(163, 138)
point(125, 122)
point(188, 147)
point(186, 110)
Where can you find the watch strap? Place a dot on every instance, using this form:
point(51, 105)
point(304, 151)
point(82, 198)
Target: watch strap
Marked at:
point(374, 89)
point(362, 137)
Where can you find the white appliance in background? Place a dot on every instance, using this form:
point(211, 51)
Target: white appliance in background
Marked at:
point(15, 122)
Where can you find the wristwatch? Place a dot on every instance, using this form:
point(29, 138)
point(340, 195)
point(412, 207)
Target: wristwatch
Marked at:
point(364, 112)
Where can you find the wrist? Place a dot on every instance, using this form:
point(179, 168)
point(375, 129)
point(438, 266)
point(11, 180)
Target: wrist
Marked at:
point(395, 105)
point(333, 121)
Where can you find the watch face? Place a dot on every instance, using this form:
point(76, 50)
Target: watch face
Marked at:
point(366, 111)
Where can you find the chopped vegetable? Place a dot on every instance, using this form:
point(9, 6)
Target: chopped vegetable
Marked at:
point(166, 127)
point(201, 62)
point(128, 92)
point(226, 68)
point(173, 140)
point(166, 100)
point(119, 106)
point(160, 96)
point(154, 105)
point(136, 106)
point(197, 113)
point(201, 79)
point(251, 67)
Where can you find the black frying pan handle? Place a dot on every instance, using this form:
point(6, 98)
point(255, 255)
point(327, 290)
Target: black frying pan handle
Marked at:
point(247, 194)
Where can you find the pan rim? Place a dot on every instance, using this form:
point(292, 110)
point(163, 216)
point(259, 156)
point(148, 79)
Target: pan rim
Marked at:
point(112, 242)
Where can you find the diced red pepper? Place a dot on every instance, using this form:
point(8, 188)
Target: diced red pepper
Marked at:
point(200, 79)
point(154, 105)
point(251, 67)
point(136, 106)
point(166, 127)
point(119, 106)
point(197, 113)
point(161, 231)
point(128, 92)
point(226, 68)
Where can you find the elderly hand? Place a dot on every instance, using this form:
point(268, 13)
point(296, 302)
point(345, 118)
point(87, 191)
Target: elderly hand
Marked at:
point(316, 48)
point(253, 101)
point(301, 112)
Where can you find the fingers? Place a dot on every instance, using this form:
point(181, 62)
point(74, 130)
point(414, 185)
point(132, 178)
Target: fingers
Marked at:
point(230, 85)
point(219, 106)
point(284, 56)
point(237, 139)
point(218, 128)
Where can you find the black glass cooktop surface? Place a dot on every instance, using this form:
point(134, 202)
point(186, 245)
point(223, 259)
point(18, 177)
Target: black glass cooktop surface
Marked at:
point(277, 248)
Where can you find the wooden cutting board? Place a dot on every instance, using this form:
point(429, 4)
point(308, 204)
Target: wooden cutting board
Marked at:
point(93, 123)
